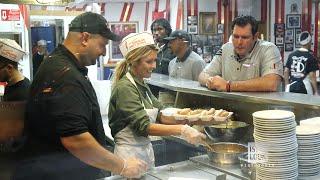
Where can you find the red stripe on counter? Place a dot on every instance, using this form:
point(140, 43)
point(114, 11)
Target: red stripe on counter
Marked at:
point(146, 15)
point(196, 7)
point(156, 6)
point(282, 21)
point(179, 15)
point(304, 15)
point(236, 8)
point(129, 12)
point(282, 10)
point(167, 9)
point(219, 11)
point(276, 13)
point(264, 7)
point(25, 14)
point(123, 11)
point(309, 15)
point(316, 18)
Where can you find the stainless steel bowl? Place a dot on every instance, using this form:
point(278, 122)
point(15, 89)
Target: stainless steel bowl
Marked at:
point(247, 168)
point(232, 131)
point(226, 153)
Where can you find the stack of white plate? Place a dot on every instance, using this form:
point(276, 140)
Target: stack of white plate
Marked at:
point(308, 150)
point(276, 144)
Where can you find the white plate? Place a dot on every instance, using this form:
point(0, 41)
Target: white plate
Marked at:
point(273, 114)
point(307, 130)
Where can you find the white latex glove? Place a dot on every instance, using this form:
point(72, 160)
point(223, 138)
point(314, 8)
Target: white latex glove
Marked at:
point(133, 168)
point(191, 135)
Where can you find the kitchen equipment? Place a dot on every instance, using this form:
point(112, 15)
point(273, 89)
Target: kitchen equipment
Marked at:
point(232, 131)
point(247, 168)
point(226, 152)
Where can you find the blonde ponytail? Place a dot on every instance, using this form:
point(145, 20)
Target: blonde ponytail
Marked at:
point(120, 70)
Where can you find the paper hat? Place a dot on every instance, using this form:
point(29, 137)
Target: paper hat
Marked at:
point(11, 50)
point(134, 41)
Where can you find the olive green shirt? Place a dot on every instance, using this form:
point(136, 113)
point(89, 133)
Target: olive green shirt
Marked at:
point(126, 108)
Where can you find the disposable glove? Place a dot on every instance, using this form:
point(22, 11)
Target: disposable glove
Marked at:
point(133, 168)
point(191, 135)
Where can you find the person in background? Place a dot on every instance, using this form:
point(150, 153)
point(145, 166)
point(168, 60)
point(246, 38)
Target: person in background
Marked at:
point(17, 84)
point(134, 110)
point(246, 64)
point(38, 56)
point(301, 67)
point(161, 29)
point(66, 136)
point(187, 64)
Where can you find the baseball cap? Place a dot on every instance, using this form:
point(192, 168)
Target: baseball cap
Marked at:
point(92, 23)
point(11, 50)
point(134, 41)
point(304, 38)
point(178, 34)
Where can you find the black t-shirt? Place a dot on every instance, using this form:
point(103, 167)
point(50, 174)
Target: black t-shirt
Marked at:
point(163, 58)
point(62, 103)
point(301, 63)
point(18, 91)
point(36, 61)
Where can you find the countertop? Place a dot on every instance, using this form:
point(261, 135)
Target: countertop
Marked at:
point(194, 87)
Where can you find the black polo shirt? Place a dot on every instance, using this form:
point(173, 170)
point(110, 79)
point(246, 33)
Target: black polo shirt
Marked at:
point(62, 103)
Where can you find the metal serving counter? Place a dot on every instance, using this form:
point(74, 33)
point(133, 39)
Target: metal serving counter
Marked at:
point(189, 93)
point(185, 170)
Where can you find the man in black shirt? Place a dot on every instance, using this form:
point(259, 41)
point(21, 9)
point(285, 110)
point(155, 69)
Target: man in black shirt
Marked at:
point(301, 67)
point(66, 136)
point(161, 29)
point(17, 85)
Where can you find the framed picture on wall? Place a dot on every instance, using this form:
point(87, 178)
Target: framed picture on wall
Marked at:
point(297, 34)
point(279, 29)
point(293, 21)
point(279, 41)
point(192, 20)
point(192, 29)
point(207, 23)
point(288, 47)
point(289, 36)
point(220, 28)
point(122, 29)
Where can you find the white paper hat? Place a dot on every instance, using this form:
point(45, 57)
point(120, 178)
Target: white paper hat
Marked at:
point(134, 41)
point(11, 50)
point(42, 42)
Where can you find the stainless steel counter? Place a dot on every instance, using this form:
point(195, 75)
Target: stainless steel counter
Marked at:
point(187, 93)
point(185, 170)
point(193, 87)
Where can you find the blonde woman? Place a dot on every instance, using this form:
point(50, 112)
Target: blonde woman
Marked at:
point(134, 110)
